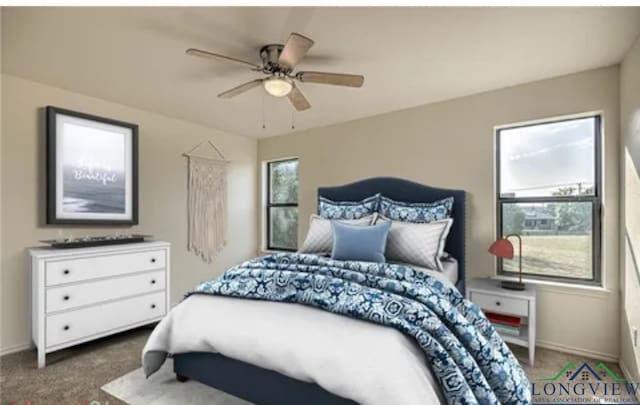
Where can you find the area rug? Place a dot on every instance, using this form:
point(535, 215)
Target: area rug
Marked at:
point(162, 388)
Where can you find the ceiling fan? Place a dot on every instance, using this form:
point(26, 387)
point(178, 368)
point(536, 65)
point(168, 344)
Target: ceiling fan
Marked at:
point(278, 63)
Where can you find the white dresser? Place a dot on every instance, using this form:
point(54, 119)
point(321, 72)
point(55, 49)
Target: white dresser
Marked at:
point(83, 294)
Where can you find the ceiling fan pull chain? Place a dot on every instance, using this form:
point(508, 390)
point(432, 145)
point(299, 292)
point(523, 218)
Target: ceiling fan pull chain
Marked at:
point(293, 125)
point(264, 125)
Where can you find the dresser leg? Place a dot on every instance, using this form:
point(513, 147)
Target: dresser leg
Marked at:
point(41, 358)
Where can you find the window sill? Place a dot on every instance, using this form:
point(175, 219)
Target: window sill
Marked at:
point(273, 251)
point(556, 286)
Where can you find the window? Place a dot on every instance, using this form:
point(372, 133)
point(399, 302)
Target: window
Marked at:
point(549, 193)
point(282, 205)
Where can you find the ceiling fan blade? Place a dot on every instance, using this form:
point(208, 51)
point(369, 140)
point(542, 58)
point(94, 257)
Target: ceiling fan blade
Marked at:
point(210, 55)
point(240, 89)
point(298, 99)
point(296, 47)
point(337, 79)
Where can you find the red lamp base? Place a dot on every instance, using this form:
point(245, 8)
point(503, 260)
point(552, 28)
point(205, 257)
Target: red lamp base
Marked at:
point(512, 285)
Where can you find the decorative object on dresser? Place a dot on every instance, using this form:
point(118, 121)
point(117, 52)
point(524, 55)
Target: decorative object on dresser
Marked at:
point(512, 313)
point(91, 241)
point(503, 249)
point(207, 202)
point(92, 169)
point(87, 293)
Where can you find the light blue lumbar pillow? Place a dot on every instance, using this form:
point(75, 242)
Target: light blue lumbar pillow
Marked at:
point(360, 243)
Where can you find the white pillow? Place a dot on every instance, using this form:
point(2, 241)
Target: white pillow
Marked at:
point(421, 244)
point(319, 238)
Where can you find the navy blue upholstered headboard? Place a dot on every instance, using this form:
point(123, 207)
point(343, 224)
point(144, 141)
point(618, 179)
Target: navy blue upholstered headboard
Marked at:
point(409, 191)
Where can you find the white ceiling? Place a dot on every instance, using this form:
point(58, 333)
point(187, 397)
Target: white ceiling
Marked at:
point(409, 56)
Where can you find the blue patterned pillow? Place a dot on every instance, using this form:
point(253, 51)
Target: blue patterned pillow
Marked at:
point(416, 212)
point(346, 209)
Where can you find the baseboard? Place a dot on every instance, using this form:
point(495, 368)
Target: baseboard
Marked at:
point(575, 350)
point(15, 348)
point(626, 371)
point(628, 375)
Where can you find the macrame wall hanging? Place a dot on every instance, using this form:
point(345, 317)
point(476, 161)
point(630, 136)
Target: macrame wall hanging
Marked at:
point(207, 202)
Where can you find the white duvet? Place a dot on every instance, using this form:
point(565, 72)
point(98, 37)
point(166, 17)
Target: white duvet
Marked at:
point(368, 363)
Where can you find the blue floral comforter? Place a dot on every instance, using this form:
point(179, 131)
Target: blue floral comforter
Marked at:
point(467, 356)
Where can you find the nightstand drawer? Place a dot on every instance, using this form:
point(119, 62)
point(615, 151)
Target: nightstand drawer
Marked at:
point(494, 303)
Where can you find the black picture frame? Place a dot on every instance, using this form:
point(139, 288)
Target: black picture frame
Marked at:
point(89, 212)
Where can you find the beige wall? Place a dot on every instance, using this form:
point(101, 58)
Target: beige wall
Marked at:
point(450, 144)
point(1, 323)
point(163, 192)
point(630, 213)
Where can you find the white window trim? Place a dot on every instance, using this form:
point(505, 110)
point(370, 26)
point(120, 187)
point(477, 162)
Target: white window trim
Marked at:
point(604, 228)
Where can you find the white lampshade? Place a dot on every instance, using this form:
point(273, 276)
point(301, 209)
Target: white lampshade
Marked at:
point(277, 86)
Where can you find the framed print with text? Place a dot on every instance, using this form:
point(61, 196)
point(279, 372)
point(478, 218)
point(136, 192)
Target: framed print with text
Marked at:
point(92, 169)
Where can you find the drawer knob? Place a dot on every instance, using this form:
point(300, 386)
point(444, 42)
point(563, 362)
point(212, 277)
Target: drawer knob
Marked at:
point(153, 281)
point(153, 260)
point(66, 327)
point(498, 303)
point(66, 271)
point(153, 306)
point(66, 298)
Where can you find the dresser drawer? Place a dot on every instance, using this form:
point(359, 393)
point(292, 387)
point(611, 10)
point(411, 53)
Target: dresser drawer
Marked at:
point(73, 270)
point(504, 305)
point(83, 323)
point(64, 297)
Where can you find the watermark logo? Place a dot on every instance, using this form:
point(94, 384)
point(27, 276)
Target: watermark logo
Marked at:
point(585, 384)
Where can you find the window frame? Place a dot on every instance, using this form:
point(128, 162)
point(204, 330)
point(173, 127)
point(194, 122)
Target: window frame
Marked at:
point(269, 204)
point(596, 202)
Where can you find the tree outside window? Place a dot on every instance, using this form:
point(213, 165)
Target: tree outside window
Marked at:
point(282, 205)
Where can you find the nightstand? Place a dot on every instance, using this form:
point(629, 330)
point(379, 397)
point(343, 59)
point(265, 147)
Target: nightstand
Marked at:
point(490, 297)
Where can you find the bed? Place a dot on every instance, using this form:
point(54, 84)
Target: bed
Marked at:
point(268, 387)
point(236, 374)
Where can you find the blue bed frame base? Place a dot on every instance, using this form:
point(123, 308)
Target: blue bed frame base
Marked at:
point(266, 387)
point(409, 191)
point(251, 383)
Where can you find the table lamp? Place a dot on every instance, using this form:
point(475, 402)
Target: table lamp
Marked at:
point(503, 248)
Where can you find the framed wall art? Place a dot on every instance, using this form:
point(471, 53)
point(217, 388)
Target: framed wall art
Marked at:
point(92, 169)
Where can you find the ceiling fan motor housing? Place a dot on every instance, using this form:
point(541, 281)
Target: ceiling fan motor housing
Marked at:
point(270, 55)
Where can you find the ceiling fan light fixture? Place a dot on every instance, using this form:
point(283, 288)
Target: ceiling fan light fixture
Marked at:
point(277, 86)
